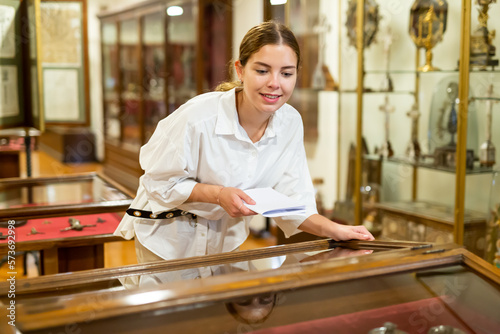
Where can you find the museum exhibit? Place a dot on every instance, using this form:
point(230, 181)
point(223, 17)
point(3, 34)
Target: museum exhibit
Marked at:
point(109, 224)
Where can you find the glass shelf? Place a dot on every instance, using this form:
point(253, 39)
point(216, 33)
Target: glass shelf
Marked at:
point(436, 72)
point(484, 98)
point(402, 92)
point(428, 163)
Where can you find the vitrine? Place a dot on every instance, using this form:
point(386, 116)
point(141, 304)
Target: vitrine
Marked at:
point(39, 214)
point(424, 111)
point(317, 286)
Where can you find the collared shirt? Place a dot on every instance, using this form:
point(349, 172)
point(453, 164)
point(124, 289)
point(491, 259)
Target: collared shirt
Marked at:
point(203, 142)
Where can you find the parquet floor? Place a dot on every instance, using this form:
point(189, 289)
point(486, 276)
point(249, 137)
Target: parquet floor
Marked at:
point(116, 253)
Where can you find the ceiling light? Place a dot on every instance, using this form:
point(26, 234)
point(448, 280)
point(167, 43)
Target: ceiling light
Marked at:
point(175, 11)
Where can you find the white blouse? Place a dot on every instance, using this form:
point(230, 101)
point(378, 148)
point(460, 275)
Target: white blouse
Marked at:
point(202, 141)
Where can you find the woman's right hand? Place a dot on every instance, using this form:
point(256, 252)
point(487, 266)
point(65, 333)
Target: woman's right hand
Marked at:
point(232, 200)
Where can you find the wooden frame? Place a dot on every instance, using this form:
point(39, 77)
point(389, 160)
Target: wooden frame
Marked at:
point(120, 307)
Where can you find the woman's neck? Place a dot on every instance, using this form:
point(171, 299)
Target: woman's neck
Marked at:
point(254, 123)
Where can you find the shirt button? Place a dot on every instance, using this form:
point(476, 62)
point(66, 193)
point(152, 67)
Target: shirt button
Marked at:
point(203, 234)
point(254, 154)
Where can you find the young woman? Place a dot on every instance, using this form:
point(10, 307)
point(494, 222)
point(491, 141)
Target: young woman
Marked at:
point(202, 157)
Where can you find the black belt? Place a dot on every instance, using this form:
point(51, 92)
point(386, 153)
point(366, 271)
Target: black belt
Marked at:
point(164, 215)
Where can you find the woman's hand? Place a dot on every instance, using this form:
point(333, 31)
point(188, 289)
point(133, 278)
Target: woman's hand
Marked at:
point(349, 232)
point(231, 200)
point(324, 227)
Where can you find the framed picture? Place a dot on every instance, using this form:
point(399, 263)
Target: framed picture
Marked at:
point(64, 62)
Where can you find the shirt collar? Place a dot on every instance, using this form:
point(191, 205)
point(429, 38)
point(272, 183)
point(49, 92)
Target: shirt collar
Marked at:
point(227, 118)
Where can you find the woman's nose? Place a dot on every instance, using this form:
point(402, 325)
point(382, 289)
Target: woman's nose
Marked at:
point(274, 81)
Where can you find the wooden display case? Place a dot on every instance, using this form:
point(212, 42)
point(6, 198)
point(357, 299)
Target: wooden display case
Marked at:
point(35, 215)
point(318, 286)
point(152, 63)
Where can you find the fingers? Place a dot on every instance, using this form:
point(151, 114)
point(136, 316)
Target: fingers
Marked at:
point(363, 233)
point(232, 201)
point(348, 232)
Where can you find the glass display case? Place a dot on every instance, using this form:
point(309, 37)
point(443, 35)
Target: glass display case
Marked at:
point(67, 219)
point(39, 197)
point(312, 287)
point(156, 55)
point(424, 115)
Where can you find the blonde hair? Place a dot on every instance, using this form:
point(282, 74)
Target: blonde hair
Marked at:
point(266, 33)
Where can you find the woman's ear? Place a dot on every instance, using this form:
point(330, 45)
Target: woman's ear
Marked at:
point(239, 69)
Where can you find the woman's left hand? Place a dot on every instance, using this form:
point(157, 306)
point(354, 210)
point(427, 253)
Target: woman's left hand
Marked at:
point(324, 227)
point(349, 232)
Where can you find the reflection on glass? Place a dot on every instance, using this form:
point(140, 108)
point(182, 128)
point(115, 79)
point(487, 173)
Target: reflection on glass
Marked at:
point(267, 263)
point(413, 302)
point(93, 190)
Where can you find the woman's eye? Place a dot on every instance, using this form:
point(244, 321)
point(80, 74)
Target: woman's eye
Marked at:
point(286, 74)
point(261, 71)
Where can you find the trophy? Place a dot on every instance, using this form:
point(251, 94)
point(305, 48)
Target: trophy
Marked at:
point(387, 39)
point(387, 109)
point(371, 22)
point(427, 26)
point(487, 149)
point(481, 49)
point(413, 150)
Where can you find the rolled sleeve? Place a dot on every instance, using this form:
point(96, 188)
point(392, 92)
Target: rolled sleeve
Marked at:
point(169, 176)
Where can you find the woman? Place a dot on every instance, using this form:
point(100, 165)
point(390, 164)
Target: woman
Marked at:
point(201, 158)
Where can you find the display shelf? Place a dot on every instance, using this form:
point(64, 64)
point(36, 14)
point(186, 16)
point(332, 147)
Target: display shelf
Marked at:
point(445, 128)
point(427, 161)
point(402, 92)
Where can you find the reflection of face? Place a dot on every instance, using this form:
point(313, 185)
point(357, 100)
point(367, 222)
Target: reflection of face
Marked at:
point(255, 309)
point(268, 78)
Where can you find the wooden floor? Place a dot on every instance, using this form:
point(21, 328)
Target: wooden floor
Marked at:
point(116, 253)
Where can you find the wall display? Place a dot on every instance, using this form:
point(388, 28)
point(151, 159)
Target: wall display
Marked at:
point(482, 50)
point(427, 25)
point(63, 57)
point(372, 18)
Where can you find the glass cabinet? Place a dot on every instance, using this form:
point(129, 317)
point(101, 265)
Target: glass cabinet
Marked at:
point(425, 101)
point(311, 287)
point(156, 55)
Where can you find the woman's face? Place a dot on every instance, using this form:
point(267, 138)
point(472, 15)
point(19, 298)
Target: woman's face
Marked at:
point(268, 78)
